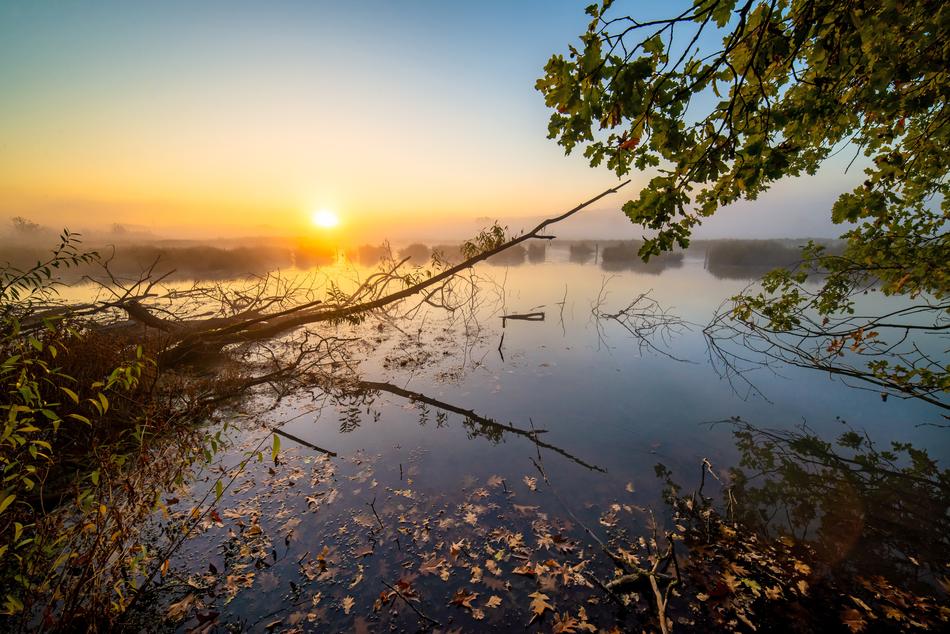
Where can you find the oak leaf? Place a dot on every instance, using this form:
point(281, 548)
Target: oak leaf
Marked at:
point(463, 598)
point(539, 605)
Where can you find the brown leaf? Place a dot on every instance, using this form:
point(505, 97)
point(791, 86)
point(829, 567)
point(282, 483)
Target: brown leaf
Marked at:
point(463, 598)
point(432, 566)
point(493, 601)
point(731, 581)
point(539, 605)
point(564, 623)
point(528, 569)
point(532, 483)
point(630, 144)
point(802, 568)
point(853, 619)
point(178, 610)
point(255, 529)
point(348, 603)
point(476, 574)
point(584, 625)
point(862, 605)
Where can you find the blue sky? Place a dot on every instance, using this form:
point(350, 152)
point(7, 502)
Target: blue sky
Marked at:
point(235, 117)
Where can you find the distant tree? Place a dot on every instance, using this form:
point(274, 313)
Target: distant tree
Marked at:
point(418, 253)
point(788, 84)
point(23, 225)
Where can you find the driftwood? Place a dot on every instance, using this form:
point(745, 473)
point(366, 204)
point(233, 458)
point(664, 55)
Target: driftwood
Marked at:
point(188, 339)
point(522, 317)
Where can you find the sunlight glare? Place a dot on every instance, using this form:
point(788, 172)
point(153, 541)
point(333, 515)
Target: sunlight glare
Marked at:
point(325, 219)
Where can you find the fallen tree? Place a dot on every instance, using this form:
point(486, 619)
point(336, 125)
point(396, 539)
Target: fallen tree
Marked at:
point(186, 339)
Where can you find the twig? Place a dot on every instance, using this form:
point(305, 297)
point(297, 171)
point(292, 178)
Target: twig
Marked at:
point(372, 505)
point(414, 608)
point(304, 442)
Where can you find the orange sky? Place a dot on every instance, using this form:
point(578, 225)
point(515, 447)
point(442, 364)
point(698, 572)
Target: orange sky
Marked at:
point(242, 121)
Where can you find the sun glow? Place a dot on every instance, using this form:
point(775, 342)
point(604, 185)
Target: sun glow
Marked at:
point(325, 219)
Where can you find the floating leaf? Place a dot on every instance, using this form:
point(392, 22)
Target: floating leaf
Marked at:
point(177, 611)
point(539, 605)
point(463, 598)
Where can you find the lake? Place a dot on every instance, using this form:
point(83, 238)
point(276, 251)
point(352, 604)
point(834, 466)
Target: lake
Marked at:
point(427, 485)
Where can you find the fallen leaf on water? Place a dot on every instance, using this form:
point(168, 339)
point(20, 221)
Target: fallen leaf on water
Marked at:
point(359, 576)
point(432, 566)
point(802, 568)
point(893, 613)
point(476, 574)
point(528, 569)
point(629, 487)
point(463, 598)
point(539, 605)
point(731, 581)
point(564, 623)
point(531, 482)
point(178, 610)
point(584, 625)
point(478, 614)
point(348, 604)
point(493, 601)
point(255, 529)
point(853, 620)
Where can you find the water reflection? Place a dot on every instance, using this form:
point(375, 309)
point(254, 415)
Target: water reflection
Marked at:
point(477, 426)
point(832, 535)
point(581, 253)
point(515, 256)
point(865, 510)
point(537, 252)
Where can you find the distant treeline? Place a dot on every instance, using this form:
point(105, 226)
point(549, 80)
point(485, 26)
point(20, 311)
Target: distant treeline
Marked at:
point(740, 259)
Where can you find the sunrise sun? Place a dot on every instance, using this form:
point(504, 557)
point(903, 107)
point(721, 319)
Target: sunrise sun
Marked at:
point(325, 219)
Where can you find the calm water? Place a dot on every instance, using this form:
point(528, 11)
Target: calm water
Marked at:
point(615, 407)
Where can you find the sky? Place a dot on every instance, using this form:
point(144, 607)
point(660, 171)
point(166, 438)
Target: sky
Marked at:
point(243, 118)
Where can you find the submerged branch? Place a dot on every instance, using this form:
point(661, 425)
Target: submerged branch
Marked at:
point(375, 386)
